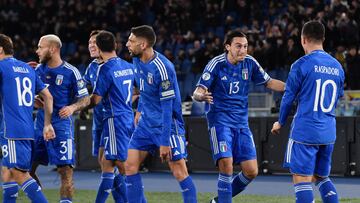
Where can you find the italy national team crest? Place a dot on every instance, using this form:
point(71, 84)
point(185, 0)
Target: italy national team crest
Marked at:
point(59, 79)
point(150, 78)
point(245, 74)
point(223, 146)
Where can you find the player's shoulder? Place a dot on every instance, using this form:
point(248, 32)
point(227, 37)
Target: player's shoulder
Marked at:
point(216, 62)
point(71, 70)
point(161, 60)
point(251, 59)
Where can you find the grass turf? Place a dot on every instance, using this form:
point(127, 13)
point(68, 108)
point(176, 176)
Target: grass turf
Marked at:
point(88, 196)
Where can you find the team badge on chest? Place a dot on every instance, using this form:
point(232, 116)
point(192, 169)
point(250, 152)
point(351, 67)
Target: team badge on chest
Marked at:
point(245, 74)
point(59, 79)
point(150, 78)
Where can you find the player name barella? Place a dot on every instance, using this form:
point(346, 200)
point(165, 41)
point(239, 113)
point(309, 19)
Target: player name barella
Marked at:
point(20, 69)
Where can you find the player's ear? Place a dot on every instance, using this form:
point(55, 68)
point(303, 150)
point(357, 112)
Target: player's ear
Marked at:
point(1, 50)
point(227, 47)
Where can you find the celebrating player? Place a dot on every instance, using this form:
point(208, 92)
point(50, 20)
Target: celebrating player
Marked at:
point(18, 87)
point(224, 84)
point(66, 85)
point(316, 80)
point(161, 125)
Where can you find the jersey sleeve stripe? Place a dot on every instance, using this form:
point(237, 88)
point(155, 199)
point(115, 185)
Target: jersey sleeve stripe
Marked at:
point(74, 70)
point(164, 68)
point(161, 68)
point(210, 67)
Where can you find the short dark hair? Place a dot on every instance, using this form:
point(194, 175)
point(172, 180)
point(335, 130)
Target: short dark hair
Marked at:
point(146, 32)
point(106, 42)
point(94, 32)
point(314, 31)
point(231, 35)
point(7, 44)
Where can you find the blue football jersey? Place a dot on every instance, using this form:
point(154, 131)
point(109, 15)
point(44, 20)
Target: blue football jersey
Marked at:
point(18, 85)
point(229, 85)
point(90, 77)
point(66, 86)
point(157, 82)
point(115, 84)
point(316, 80)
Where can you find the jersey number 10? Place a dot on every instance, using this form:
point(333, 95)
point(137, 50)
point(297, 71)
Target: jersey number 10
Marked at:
point(24, 88)
point(321, 95)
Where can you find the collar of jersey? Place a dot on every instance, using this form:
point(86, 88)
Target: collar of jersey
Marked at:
point(155, 56)
point(62, 64)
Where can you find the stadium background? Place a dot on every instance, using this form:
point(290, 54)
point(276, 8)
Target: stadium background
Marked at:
point(190, 33)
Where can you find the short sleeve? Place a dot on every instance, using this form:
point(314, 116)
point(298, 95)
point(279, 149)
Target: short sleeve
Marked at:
point(209, 72)
point(259, 76)
point(79, 85)
point(103, 81)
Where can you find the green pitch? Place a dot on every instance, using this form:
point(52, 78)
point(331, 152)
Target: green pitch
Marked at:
point(88, 196)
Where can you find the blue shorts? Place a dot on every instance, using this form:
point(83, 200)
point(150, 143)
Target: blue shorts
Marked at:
point(17, 153)
point(237, 143)
point(308, 160)
point(59, 151)
point(96, 141)
point(144, 141)
point(115, 137)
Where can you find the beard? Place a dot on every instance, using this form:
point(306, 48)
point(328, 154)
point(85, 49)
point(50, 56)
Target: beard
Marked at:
point(46, 58)
point(133, 54)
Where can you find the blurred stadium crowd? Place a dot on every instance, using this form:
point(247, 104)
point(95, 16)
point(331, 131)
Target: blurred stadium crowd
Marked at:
point(189, 32)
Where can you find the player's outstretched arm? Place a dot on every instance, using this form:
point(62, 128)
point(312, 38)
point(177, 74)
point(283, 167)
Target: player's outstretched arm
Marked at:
point(67, 111)
point(201, 94)
point(48, 131)
point(276, 85)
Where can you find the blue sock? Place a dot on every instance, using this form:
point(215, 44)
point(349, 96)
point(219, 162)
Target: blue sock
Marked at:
point(304, 192)
point(239, 183)
point(107, 181)
point(66, 200)
point(327, 191)
point(188, 190)
point(33, 191)
point(119, 189)
point(224, 188)
point(135, 189)
point(10, 192)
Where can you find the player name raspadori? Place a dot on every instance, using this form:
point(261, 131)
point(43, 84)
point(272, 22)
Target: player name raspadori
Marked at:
point(326, 70)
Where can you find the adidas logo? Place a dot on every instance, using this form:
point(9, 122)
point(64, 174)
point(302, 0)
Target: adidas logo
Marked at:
point(176, 153)
point(224, 78)
point(63, 158)
point(108, 191)
point(38, 189)
point(330, 193)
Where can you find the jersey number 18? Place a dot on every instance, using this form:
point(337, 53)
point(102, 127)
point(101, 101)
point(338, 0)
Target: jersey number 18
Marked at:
point(23, 88)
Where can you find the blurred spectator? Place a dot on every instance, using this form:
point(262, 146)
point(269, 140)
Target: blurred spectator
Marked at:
point(353, 68)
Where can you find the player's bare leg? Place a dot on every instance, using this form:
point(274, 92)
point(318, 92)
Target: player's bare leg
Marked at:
point(134, 160)
point(100, 156)
point(67, 184)
point(179, 169)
